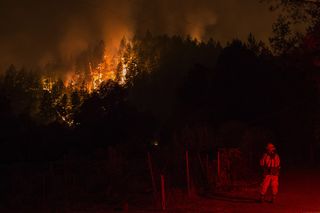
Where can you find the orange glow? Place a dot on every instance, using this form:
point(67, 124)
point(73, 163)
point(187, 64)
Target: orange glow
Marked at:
point(47, 84)
point(113, 66)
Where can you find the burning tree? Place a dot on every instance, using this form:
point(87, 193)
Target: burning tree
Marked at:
point(60, 89)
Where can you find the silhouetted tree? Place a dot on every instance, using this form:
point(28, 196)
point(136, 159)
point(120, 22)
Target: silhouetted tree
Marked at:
point(46, 109)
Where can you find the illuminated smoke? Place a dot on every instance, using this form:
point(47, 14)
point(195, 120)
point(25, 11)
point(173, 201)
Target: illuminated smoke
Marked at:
point(38, 32)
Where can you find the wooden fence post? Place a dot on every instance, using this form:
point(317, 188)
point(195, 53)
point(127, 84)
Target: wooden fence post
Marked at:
point(152, 176)
point(218, 164)
point(163, 194)
point(207, 166)
point(188, 174)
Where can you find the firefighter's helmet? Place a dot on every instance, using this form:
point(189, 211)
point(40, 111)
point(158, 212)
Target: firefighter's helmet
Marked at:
point(270, 147)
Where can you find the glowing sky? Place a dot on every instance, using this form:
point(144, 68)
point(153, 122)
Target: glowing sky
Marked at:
point(34, 32)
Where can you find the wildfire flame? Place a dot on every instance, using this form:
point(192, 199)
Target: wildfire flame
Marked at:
point(47, 83)
point(107, 69)
point(114, 66)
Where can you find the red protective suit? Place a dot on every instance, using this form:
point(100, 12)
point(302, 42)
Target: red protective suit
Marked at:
point(270, 162)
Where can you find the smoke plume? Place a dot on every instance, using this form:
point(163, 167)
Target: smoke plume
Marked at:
point(36, 32)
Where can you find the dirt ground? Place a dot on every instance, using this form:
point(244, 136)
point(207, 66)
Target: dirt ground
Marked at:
point(299, 192)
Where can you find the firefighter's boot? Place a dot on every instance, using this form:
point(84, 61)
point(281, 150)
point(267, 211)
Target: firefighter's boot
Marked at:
point(261, 200)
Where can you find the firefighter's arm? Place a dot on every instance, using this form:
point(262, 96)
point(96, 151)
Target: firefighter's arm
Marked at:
point(278, 162)
point(262, 161)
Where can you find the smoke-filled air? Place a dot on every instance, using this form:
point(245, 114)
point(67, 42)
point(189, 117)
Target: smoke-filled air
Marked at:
point(59, 31)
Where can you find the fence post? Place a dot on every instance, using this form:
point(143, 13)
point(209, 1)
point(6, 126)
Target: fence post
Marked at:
point(207, 166)
point(65, 177)
point(152, 176)
point(44, 189)
point(188, 174)
point(163, 194)
point(218, 164)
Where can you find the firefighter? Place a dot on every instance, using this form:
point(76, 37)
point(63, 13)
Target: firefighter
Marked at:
point(270, 162)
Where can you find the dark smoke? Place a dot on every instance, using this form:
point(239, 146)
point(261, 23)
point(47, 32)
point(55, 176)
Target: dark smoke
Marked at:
point(36, 32)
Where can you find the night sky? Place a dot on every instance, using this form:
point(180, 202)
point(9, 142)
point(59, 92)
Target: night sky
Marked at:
point(35, 32)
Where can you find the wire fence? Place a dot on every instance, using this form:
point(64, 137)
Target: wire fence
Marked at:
point(160, 177)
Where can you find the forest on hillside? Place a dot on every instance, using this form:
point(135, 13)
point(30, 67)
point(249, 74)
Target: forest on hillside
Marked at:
point(170, 83)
